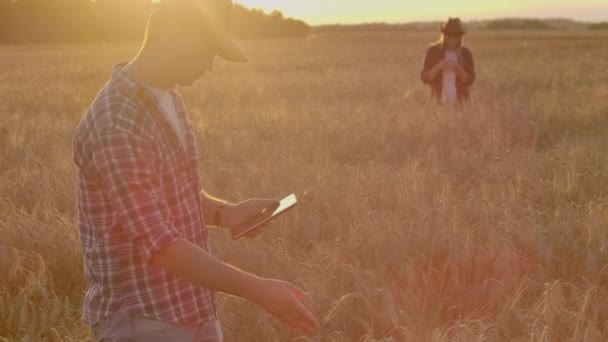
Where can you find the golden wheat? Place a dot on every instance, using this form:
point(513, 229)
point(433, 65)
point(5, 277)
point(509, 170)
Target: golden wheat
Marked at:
point(416, 222)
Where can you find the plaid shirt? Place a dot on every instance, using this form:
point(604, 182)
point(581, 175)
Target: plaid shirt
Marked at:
point(138, 192)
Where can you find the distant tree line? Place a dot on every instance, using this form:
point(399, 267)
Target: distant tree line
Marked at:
point(599, 26)
point(255, 23)
point(375, 27)
point(517, 24)
point(55, 21)
point(520, 24)
point(542, 24)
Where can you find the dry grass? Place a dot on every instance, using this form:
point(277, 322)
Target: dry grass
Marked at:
point(416, 222)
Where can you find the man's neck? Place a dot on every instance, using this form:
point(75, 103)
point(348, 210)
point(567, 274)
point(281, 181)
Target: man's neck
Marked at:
point(145, 71)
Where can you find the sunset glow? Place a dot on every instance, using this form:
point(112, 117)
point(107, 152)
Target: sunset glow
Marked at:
point(356, 11)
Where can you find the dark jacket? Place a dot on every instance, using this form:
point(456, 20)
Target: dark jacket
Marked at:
point(434, 54)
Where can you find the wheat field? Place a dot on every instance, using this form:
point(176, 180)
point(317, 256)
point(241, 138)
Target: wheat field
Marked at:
point(416, 222)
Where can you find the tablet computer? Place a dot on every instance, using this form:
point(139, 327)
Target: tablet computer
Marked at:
point(264, 217)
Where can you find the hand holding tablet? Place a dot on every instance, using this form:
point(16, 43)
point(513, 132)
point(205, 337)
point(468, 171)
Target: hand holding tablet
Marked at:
point(263, 217)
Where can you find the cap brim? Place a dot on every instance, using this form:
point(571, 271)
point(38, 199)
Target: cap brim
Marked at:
point(231, 52)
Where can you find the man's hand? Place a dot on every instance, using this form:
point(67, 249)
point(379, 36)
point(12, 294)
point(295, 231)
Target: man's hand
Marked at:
point(283, 301)
point(236, 214)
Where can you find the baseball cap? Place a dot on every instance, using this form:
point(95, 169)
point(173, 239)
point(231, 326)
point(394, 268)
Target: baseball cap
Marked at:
point(211, 18)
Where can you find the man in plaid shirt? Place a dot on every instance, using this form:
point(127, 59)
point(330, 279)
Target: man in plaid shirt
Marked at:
point(142, 213)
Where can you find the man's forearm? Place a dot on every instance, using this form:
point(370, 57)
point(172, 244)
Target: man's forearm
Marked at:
point(280, 299)
point(195, 265)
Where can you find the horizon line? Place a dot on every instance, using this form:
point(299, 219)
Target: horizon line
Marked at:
point(576, 21)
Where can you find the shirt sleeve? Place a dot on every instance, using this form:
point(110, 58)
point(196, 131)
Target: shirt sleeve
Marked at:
point(470, 67)
point(427, 64)
point(125, 164)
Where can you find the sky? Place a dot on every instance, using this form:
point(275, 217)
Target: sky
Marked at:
point(317, 12)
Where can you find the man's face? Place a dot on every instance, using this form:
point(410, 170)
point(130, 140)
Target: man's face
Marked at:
point(191, 56)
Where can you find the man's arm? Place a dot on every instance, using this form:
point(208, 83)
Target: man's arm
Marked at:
point(279, 298)
point(194, 264)
point(124, 160)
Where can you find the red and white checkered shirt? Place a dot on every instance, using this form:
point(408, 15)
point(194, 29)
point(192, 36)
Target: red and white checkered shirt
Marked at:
point(138, 192)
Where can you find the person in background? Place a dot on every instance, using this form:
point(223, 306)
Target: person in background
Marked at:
point(143, 214)
point(449, 68)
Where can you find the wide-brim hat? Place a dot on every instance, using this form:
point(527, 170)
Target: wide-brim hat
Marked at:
point(211, 18)
point(453, 27)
